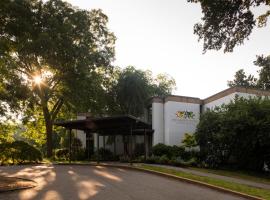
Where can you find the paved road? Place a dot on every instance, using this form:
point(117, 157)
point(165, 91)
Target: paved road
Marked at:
point(104, 183)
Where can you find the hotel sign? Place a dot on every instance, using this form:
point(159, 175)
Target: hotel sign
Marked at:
point(185, 115)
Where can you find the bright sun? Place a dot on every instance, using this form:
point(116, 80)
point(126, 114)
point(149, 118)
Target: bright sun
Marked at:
point(37, 80)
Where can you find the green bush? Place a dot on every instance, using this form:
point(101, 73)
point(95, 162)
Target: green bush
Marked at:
point(80, 154)
point(62, 154)
point(19, 152)
point(152, 159)
point(236, 135)
point(169, 151)
point(104, 154)
point(161, 149)
point(163, 159)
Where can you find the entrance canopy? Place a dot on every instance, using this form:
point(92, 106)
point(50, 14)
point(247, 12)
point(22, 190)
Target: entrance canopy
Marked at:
point(116, 125)
point(125, 125)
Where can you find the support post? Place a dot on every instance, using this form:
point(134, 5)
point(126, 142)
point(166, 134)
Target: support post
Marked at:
point(97, 148)
point(131, 149)
point(114, 145)
point(70, 145)
point(104, 142)
point(145, 145)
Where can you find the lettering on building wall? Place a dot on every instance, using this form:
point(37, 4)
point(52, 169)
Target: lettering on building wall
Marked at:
point(185, 115)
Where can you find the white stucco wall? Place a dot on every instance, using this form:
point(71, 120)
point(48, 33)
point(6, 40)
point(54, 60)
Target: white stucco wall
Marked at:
point(176, 127)
point(219, 102)
point(158, 122)
point(226, 100)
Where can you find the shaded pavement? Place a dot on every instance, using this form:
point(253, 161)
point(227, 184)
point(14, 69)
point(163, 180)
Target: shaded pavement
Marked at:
point(98, 182)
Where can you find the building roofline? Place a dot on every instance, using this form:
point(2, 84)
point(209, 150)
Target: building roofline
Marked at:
point(211, 98)
point(176, 98)
point(235, 89)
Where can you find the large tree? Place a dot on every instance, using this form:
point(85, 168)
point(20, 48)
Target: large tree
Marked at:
point(264, 72)
point(241, 79)
point(131, 88)
point(227, 23)
point(50, 53)
point(263, 81)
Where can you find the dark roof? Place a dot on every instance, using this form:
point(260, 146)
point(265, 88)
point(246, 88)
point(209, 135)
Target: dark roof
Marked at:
point(109, 125)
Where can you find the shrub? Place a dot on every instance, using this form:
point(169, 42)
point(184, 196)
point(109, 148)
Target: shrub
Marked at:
point(79, 154)
point(152, 159)
point(169, 151)
point(161, 149)
point(105, 154)
point(163, 159)
point(62, 154)
point(19, 152)
point(238, 132)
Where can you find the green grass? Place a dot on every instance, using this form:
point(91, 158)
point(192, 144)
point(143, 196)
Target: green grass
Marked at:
point(258, 192)
point(250, 176)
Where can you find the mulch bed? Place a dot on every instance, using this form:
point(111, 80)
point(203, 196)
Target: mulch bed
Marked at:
point(12, 183)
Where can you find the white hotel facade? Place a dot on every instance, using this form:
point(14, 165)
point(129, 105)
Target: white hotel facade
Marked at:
point(173, 116)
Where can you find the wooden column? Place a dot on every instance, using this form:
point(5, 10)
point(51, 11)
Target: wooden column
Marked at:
point(70, 140)
point(114, 145)
point(131, 145)
point(145, 145)
point(97, 148)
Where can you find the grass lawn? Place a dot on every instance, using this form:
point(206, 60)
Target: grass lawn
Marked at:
point(8, 183)
point(262, 193)
point(251, 176)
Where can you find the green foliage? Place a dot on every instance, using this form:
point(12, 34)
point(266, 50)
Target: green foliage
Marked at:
point(228, 23)
point(77, 152)
point(236, 134)
point(189, 140)
point(240, 79)
point(170, 151)
point(62, 154)
point(7, 131)
point(19, 152)
point(162, 149)
point(131, 88)
point(104, 154)
point(264, 72)
point(164, 159)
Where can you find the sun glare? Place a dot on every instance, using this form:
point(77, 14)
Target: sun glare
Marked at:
point(37, 80)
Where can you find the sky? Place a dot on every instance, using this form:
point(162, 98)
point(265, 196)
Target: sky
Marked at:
point(157, 35)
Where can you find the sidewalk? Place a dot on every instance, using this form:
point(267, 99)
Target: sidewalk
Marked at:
point(226, 178)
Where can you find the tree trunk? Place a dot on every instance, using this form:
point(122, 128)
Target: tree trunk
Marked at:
point(49, 130)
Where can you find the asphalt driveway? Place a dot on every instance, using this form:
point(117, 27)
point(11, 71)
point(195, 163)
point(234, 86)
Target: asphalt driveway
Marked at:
point(93, 182)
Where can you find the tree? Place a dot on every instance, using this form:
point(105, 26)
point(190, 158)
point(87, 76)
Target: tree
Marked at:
point(264, 72)
point(132, 88)
point(50, 57)
point(263, 82)
point(228, 23)
point(240, 79)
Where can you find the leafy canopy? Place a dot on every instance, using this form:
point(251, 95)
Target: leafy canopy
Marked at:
point(132, 88)
point(227, 23)
point(263, 82)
